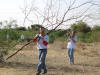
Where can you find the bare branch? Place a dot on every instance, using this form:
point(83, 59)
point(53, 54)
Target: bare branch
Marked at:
point(27, 12)
point(50, 17)
point(81, 5)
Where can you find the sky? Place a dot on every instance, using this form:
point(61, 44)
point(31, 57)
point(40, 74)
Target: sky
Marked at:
point(12, 9)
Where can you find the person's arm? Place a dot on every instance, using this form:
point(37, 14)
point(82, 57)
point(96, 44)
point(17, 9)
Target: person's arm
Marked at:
point(35, 38)
point(68, 35)
point(45, 41)
point(74, 39)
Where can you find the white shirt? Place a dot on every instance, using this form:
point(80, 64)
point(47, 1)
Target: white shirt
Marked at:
point(40, 44)
point(71, 44)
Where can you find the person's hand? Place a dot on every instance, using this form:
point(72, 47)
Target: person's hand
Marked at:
point(36, 36)
point(68, 34)
point(42, 38)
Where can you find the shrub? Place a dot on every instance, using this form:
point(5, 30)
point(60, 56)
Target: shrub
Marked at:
point(52, 38)
point(21, 28)
point(81, 27)
point(96, 28)
point(85, 37)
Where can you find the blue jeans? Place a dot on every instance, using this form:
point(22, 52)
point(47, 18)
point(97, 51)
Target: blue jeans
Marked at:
point(42, 56)
point(71, 56)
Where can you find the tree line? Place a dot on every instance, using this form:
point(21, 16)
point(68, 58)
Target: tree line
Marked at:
point(83, 31)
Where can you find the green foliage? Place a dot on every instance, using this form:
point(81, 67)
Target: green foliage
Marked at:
point(63, 39)
point(96, 28)
point(96, 36)
point(35, 26)
point(85, 37)
point(57, 34)
point(21, 28)
point(84, 34)
point(60, 33)
point(3, 35)
point(81, 27)
point(89, 37)
point(52, 38)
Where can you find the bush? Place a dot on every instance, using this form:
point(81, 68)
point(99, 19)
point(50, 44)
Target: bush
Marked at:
point(96, 36)
point(13, 34)
point(21, 28)
point(3, 34)
point(96, 28)
point(81, 27)
point(52, 38)
point(85, 37)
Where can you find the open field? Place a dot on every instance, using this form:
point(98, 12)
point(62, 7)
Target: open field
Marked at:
point(87, 60)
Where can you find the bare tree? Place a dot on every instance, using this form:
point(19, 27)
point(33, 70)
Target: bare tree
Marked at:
point(93, 17)
point(56, 13)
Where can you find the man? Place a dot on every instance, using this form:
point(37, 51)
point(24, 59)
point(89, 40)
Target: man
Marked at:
point(71, 45)
point(42, 42)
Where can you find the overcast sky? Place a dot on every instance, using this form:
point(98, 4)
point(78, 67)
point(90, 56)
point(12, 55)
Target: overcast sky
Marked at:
point(11, 9)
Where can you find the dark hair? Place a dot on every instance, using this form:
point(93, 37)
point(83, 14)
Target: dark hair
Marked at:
point(74, 31)
point(42, 28)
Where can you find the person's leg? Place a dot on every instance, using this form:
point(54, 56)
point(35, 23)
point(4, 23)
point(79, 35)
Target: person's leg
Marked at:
point(44, 65)
point(69, 54)
point(42, 61)
point(39, 55)
point(72, 56)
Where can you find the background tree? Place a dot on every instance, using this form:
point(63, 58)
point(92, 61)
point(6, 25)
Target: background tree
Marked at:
point(81, 27)
point(96, 28)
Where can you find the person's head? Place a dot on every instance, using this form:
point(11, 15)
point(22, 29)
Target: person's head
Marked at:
point(73, 32)
point(41, 30)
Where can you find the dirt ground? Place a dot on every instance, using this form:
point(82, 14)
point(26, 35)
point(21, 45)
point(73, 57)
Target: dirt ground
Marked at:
point(87, 60)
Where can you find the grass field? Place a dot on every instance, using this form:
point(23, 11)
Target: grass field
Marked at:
point(87, 60)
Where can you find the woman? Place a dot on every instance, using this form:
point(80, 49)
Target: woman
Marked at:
point(72, 38)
